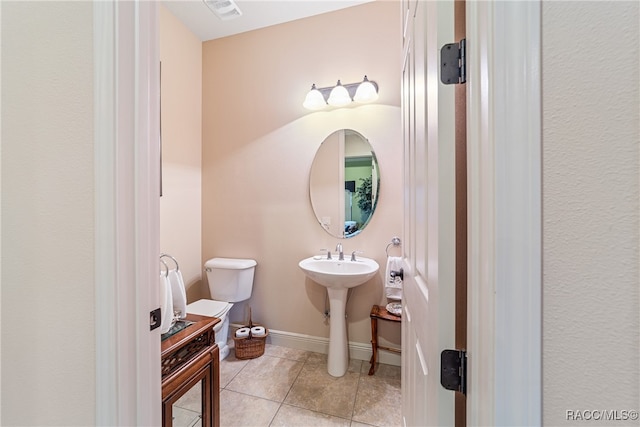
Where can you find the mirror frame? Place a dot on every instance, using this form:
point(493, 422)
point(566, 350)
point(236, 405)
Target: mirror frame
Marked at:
point(328, 181)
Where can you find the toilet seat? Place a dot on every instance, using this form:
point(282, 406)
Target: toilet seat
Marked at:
point(219, 309)
point(211, 308)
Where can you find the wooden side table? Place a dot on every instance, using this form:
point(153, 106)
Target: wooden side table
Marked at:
point(379, 312)
point(191, 357)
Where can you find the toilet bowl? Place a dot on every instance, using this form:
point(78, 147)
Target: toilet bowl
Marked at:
point(230, 281)
point(219, 309)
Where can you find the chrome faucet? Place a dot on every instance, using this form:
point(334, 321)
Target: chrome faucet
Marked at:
point(340, 253)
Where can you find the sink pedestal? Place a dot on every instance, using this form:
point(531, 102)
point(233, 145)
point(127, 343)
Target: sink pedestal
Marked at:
point(338, 360)
point(338, 276)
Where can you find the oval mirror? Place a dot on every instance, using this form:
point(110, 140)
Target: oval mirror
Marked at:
point(344, 183)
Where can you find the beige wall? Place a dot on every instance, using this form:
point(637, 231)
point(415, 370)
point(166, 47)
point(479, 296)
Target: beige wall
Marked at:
point(48, 305)
point(255, 202)
point(259, 144)
point(326, 177)
point(180, 204)
point(591, 137)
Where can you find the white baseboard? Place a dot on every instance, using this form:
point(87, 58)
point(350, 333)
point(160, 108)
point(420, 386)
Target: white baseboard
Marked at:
point(357, 350)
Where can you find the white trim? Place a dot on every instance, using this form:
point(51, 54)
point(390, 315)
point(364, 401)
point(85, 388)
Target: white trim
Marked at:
point(147, 211)
point(518, 215)
point(357, 350)
point(481, 272)
point(127, 213)
point(105, 272)
point(505, 285)
point(0, 205)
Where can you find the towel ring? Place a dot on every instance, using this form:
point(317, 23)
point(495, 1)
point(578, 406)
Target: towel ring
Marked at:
point(395, 241)
point(172, 258)
point(166, 273)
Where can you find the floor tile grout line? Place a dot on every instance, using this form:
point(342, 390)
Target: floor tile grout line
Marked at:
point(280, 403)
point(290, 387)
point(296, 379)
point(245, 365)
point(314, 411)
point(233, 377)
point(307, 362)
point(275, 415)
point(355, 395)
point(350, 419)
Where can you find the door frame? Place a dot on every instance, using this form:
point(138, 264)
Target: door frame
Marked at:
point(505, 213)
point(505, 257)
point(127, 170)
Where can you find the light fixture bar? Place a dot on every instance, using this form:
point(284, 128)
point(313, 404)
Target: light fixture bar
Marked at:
point(315, 97)
point(350, 87)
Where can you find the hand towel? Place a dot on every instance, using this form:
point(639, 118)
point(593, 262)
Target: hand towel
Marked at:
point(166, 304)
point(178, 292)
point(393, 284)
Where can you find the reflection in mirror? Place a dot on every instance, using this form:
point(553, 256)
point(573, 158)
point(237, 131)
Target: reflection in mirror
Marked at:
point(187, 410)
point(344, 183)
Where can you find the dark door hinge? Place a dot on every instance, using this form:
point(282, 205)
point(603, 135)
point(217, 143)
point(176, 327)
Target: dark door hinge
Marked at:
point(453, 63)
point(453, 370)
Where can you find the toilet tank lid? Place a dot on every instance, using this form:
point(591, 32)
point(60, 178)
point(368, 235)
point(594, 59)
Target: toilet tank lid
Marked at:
point(230, 263)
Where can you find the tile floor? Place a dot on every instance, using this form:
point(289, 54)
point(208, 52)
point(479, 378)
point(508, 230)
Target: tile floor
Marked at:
point(288, 387)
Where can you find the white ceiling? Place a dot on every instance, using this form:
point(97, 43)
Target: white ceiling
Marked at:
point(197, 16)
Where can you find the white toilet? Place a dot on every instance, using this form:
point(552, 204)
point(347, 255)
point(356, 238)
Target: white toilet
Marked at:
point(230, 280)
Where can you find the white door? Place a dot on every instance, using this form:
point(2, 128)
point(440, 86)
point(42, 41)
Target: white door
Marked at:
point(428, 107)
point(128, 389)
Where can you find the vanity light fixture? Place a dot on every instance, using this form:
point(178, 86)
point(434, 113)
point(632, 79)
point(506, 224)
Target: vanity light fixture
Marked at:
point(366, 91)
point(314, 100)
point(341, 95)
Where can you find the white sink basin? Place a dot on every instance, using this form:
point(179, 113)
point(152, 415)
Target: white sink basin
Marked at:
point(338, 277)
point(339, 274)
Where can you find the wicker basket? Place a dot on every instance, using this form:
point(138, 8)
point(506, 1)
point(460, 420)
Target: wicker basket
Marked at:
point(250, 347)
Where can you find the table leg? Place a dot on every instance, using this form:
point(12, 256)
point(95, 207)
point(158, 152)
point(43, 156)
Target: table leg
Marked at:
point(374, 344)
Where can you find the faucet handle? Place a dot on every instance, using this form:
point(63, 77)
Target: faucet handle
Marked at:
point(353, 255)
point(327, 251)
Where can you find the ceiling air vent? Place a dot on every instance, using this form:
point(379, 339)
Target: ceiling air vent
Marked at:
point(224, 9)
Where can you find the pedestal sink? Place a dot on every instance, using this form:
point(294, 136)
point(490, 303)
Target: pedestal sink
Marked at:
point(338, 276)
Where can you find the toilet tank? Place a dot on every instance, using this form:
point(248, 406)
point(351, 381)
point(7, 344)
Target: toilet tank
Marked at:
point(230, 279)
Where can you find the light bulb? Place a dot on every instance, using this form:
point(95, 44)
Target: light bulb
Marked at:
point(339, 96)
point(314, 99)
point(366, 92)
